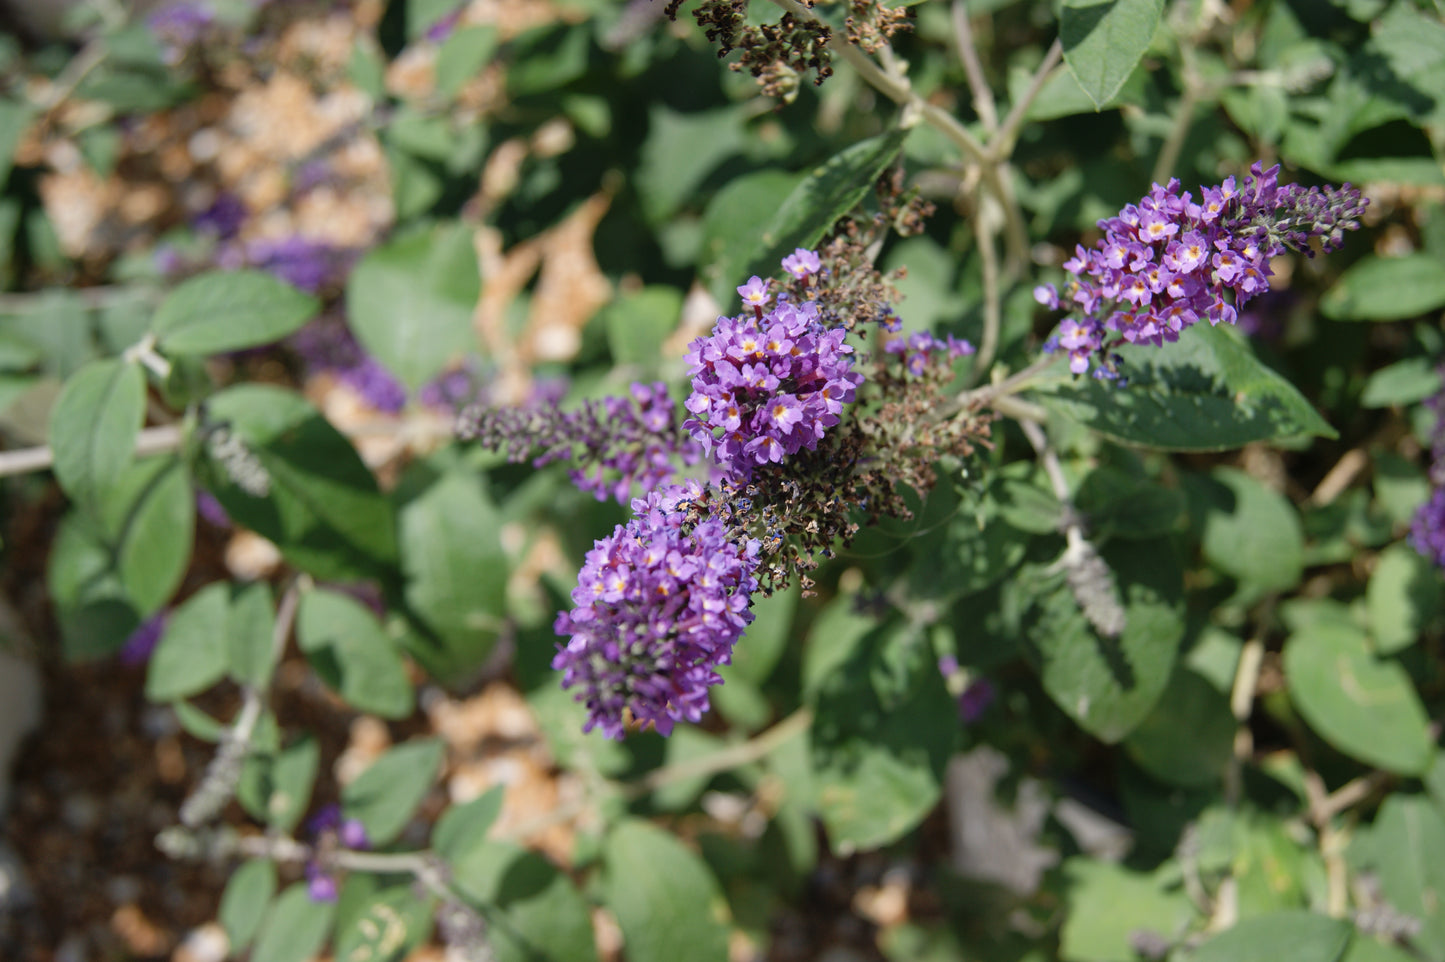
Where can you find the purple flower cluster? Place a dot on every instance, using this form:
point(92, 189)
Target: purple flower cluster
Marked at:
point(660, 603)
point(920, 349)
point(1168, 261)
point(768, 383)
point(307, 265)
point(1427, 528)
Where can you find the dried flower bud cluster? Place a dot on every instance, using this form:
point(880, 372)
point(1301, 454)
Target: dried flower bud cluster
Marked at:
point(1168, 261)
point(617, 442)
point(778, 55)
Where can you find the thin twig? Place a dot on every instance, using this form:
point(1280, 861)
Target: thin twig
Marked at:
point(155, 440)
point(1002, 144)
point(983, 103)
point(992, 297)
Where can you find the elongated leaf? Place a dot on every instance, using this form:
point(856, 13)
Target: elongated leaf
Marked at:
point(663, 895)
point(320, 503)
point(295, 928)
point(229, 310)
point(463, 827)
point(1104, 40)
point(827, 193)
point(1108, 904)
point(456, 570)
point(411, 301)
point(149, 516)
point(191, 656)
point(93, 427)
point(346, 645)
point(91, 604)
point(1362, 705)
point(1188, 738)
point(1109, 685)
point(1404, 382)
point(1207, 392)
point(249, 654)
point(385, 796)
point(1387, 289)
point(1250, 531)
point(884, 732)
point(381, 919)
point(14, 116)
point(247, 896)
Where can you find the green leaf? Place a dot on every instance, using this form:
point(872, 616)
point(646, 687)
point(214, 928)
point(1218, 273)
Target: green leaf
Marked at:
point(1364, 706)
point(228, 310)
point(533, 911)
point(197, 723)
point(761, 646)
point(730, 227)
point(245, 900)
point(1404, 382)
point(14, 118)
point(149, 516)
point(665, 899)
point(456, 571)
point(295, 928)
point(1251, 532)
point(1386, 289)
point(321, 507)
point(1205, 392)
point(1108, 904)
point(191, 655)
point(91, 605)
point(346, 645)
point(1403, 596)
point(463, 827)
point(681, 149)
point(1406, 848)
point(366, 69)
point(884, 730)
point(1119, 506)
point(93, 427)
point(462, 56)
point(379, 920)
point(825, 194)
point(249, 650)
point(1189, 736)
point(637, 324)
point(1292, 936)
point(386, 794)
point(291, 778)
point(1104, 40)
point(1109, 685)
point(411, 302)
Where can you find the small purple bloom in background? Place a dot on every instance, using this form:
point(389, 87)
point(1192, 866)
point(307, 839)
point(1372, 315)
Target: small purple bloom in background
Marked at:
point(180, 25)
point(211, 511)
point(353, 834)
point(443, 28)
point(306, 265)
point(223, 218)
point(320, 886)
point(142, 642)
point(660, 603)
point(1427, 528)
point(329, 345)
point(975, 700)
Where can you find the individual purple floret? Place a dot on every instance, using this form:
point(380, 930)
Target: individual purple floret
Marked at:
point(660, 604)
point(921, 349)
point(211, 511)
point(767, 384)
point(1167, 262)
point(617, 441)
point(320, 886)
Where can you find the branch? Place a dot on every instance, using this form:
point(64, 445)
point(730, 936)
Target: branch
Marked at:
point(156, 440)
point(983, 103)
